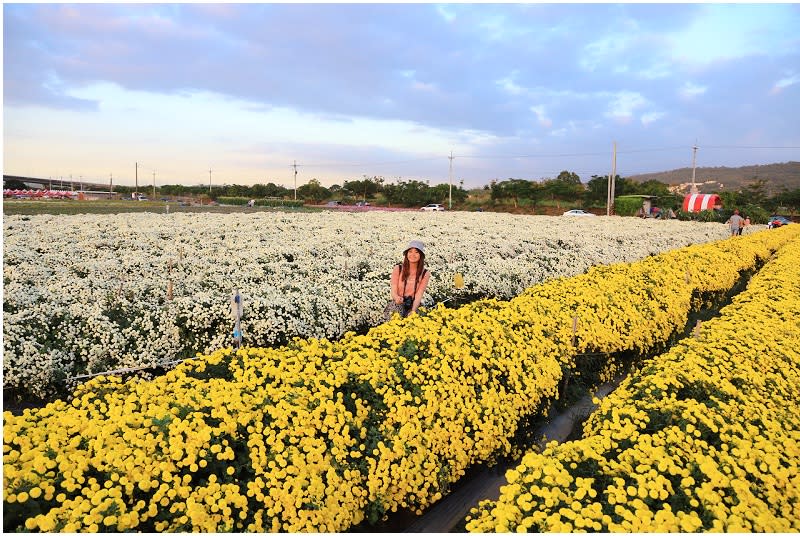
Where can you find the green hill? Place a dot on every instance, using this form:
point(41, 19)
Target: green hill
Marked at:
point(718, 179)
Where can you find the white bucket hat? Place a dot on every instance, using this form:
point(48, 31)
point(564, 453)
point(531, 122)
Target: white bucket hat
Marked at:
point(415, 244)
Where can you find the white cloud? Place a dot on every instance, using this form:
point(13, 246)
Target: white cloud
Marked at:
point(214, 134)
point(423, 86)
point(690, 90)
point(656, 71)
point(624, 104)
point(785, 82)
point(729, 31)
point(509, 85)
point(598, 52)
point(651, 117)
point(541, 115)
point(448, 16)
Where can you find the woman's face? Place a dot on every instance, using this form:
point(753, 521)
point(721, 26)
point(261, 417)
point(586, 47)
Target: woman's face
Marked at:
point(413, 255)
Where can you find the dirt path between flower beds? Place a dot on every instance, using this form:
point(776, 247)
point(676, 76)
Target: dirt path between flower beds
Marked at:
point(447, 514)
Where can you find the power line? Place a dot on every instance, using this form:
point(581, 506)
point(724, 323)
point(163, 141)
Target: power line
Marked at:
point(363, 164)
point(748, 147)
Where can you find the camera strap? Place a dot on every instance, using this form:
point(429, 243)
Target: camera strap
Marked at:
point(416, 281)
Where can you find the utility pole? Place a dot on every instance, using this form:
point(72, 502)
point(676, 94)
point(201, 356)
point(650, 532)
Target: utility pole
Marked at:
point(612, 183)
point(694, 161)
point(154, 186)
point(295, 179)
point(209, 181)
point(136, 190)
point(450, 202)
point(111, 183)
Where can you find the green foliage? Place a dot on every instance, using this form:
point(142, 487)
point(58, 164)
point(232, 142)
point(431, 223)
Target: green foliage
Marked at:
point(703, 215)
point(596, 191)
point(242, 201)
point(364, 189)
point(226, 190)
point(313, 191)
point(14, 184)
point(233, 200)
point(627, 206)
point(756, 214)
point(416, 193)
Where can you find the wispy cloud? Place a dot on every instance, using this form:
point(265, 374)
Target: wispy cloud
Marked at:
point(445, 13)
point(510, 86)
point(690, 90)
point(414, 79)
point(785, 82)
point(541, 115)
point(624, 105)
point(721, 32)
point(652, 117)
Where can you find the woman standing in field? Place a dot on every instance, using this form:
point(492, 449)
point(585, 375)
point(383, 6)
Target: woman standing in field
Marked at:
point(409, 280)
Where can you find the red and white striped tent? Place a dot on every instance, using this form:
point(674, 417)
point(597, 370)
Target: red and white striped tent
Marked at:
point(698, 202)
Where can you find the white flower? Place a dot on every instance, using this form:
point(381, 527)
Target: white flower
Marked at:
point(89, 292)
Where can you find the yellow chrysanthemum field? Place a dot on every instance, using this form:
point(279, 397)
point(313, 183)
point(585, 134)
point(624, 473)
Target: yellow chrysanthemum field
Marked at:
point(706, 437)
point(320, 435)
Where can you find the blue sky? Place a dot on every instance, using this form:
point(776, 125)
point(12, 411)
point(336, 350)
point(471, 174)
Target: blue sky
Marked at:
point(347, 90)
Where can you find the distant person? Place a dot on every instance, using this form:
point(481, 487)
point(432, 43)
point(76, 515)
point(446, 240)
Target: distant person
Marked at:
point(735, 222)
point(745, 225)
point(408, 282)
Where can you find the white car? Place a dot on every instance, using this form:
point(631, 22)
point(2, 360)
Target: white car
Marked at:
point(578, 212)
point(433, 207)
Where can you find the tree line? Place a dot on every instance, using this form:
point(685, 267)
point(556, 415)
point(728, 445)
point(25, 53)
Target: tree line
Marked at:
point(566, 188)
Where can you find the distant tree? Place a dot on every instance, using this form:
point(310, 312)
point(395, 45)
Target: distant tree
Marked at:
point(789, 199)
point(313, 191)
point(511, 190)
point(407, 193)
point(366, 188)
point(731, 200)
point(596, 190)
point(566, 186)
point(442, 192)
point(568, 177)
point(14, 184)
point(755, 192)
point(652, 187)
point(268, 190)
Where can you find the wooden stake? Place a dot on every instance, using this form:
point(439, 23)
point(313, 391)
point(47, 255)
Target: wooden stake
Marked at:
point(697, 330)
point(169, 290)
point(574, 344)
point(574, 331)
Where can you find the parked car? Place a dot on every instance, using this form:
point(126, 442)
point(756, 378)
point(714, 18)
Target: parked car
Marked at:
point(433, 207)
point(141, 197)
point(578, 212)
point(778, 221)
